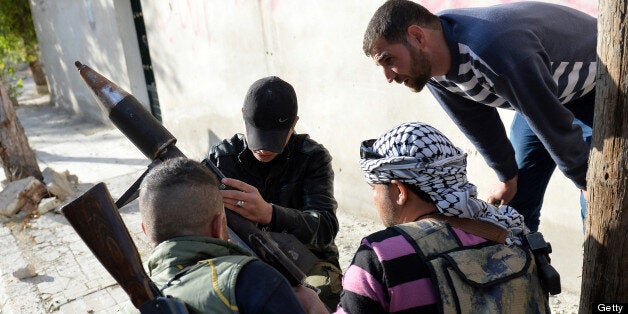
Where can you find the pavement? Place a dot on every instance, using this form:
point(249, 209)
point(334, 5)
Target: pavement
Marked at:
point(67, 278)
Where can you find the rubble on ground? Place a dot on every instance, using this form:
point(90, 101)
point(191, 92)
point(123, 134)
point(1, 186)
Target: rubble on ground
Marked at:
point(48, 204)
point(27, 271)
point(21, 195)
point(60, 184)
point(31, 196)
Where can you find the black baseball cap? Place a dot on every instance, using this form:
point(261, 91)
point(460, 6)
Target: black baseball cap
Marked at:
point(270, 109)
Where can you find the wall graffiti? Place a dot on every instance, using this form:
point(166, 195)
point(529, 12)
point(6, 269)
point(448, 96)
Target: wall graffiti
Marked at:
point(587, 6)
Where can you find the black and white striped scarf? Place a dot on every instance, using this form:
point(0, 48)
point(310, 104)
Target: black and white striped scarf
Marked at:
point(418, 154)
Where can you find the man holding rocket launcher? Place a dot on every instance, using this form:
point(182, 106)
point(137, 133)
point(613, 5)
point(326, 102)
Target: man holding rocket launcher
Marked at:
point(158, 145)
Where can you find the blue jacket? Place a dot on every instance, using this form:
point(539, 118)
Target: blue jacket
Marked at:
point(528, 56)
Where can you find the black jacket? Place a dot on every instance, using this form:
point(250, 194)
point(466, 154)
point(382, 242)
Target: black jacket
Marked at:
point(299, 183)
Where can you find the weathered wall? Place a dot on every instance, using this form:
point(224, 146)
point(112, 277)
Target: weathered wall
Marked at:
point(207, 53)
point(99, 33)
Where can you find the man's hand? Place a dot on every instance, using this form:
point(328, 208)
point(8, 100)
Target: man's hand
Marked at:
point(503, 192)
point(310, 301)
point(247, 201)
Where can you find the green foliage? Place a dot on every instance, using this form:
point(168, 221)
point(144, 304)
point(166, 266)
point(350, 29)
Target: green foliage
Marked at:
point(18, 41)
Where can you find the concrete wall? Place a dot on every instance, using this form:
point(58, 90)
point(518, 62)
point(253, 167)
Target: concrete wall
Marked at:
point(99, 33)
point(207, 53)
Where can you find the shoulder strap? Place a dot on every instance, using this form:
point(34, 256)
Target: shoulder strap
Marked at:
point(193, 267)
point(479, 228)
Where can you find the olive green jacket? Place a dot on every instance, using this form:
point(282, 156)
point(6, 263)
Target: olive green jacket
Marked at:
point(206, 269)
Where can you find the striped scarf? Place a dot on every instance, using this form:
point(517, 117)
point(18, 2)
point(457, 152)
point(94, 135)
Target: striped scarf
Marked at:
point(418, 154)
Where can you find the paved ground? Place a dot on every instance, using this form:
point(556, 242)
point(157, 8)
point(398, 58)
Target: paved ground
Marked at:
point(69, 278)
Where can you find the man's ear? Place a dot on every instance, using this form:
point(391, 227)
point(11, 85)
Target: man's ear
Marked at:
point(295, 122)
point(402, 194)
point(219, 227)
point(150, 240)
point(416, 35)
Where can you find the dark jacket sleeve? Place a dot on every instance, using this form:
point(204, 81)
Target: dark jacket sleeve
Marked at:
point(262, 289)
point(224, 147)
point(530, 89)
point(315, 223)
point(483, 127)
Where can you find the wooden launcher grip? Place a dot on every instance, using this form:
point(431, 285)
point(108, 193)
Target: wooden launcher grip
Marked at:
point(96, 219)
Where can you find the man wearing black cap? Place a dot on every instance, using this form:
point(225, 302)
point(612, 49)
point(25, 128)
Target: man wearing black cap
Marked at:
point(284, 179)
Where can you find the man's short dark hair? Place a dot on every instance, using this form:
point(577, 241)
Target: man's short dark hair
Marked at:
point(179, 197)
point(392, 20)
point(178, 171)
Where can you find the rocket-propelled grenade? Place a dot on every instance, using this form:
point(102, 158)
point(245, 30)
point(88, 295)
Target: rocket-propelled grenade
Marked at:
point(156, 142)
point(126, 112)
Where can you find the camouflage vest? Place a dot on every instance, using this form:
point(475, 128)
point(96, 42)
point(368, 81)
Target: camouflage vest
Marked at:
point(484, 278)
point(209, 286)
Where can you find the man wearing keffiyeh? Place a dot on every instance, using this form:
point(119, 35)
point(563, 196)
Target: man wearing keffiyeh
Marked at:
point(419, 156)
point(441, 242)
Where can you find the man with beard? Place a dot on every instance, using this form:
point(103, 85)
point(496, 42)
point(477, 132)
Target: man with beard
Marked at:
point(538, 59)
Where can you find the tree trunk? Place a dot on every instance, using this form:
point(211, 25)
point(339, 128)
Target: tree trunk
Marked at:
point(17, 157)
point(39, 77)
point(605, 263)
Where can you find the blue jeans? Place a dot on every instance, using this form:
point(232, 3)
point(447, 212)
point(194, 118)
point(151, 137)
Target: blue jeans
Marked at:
point(535, 163)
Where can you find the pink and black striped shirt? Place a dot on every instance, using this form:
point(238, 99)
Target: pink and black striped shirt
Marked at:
point(387, 275)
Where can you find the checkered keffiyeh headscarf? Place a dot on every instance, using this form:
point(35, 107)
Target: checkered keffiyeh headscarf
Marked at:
point(418, 154)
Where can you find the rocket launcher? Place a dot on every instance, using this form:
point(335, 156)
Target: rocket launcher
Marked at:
point(158, 144)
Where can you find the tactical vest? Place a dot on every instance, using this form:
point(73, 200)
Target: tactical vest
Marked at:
point(486, 278)
point(209, 286)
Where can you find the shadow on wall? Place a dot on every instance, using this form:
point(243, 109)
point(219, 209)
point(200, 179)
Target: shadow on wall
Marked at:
point(57, 25)
point(86, 31)
point(164, 72)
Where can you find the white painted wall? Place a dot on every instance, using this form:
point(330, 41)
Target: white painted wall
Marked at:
point(207, 53)
point(100, 34)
